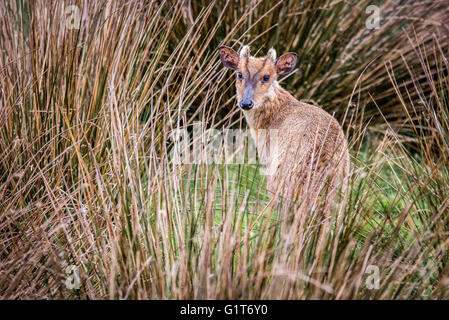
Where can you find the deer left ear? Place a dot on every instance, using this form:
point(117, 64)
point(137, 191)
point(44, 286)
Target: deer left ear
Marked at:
point(286, 63)
point(229, 57)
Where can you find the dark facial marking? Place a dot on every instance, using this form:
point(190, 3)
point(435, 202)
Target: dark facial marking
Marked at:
point(253, 78)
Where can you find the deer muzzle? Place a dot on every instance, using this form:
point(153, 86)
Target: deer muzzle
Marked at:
point(247, 102)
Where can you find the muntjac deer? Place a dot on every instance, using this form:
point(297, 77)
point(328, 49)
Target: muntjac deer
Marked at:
point(311, 157)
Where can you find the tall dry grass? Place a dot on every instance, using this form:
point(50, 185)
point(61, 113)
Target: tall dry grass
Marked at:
point(86, 178)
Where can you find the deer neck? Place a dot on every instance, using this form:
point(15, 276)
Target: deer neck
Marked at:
point(264, 122)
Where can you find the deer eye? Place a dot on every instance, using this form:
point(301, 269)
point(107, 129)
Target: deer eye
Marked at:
point(239, 76)
point(266, 78)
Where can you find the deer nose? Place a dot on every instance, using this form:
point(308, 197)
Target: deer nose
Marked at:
point(246, 104)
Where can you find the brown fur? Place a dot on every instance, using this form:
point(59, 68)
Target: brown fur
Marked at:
point(312, 155)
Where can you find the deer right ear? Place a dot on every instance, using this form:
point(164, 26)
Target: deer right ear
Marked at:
point(286, 63)
point(229, 57)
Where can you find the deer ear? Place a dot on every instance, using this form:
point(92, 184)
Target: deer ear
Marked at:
point(229, 57)
point(286, 63)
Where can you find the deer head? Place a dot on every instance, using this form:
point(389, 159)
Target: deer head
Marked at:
point(256, 76)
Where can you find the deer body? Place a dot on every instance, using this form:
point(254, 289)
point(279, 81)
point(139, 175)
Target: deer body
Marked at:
point(302, 147)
